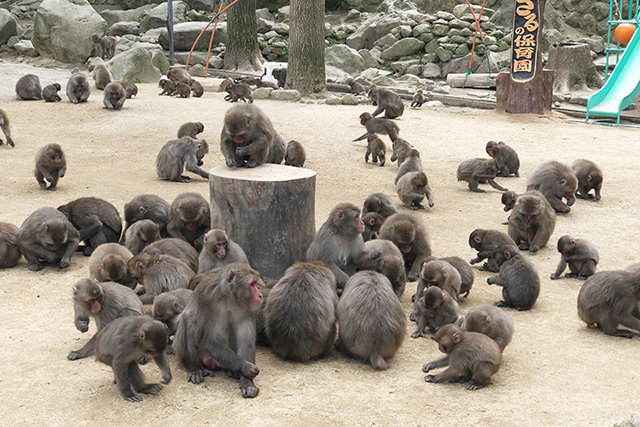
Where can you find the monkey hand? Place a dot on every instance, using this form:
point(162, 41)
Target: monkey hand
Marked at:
point(413, 317)
point(553, 276)
point(412, 277)
point(474, 261)
point(417, 334)
point(166, 379)
point(490, 280)
point(82, 325)
point(523, 246)
point(375, 254)
point(430, 379)
point(141, 291)
point(64, 263)
point(241, 151)
point(73, 355)
point(249, 370)
point(61, 173)
point(200, 163)
point(35, 267)
point(533, 249)
point(251, 163)
point(431, 204)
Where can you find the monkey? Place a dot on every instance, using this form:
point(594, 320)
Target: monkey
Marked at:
point(146, 206)
point(28, 87)
point(508, 199)
point(104, 46)
point(386, 100)
point(339, 242)
point(114, 96)
point(411, 238)
point(518, 278)
point(219, 251)
point(239, 91)
point(412, 189)
point(108, 263)
point(47, 235)
point(247, 136)
point(179, 75)
point(190, 129)
point(123, 342)
point(490, 320)
point(375, 125)
point(158, 274)
point(486, 242)
point(180, 154)
point(589, 176)
point(101, 76)
point(167, 307)
point(372, 223)
point(189, 218)
point(411, 163)
point(375, 148)
point(141, 234)
point(356, 88)
point(183, 90)
point(168, 87)
point(277, 151)
point(401, 150)
point(506, 158)
point(471, 356)
point(50, 165)
point(300, 313)
point(177, 248)
point(50, 93)
point(9, 248)
point(465, 271)
point(581, 256)
point(209, 335)
point(97, 220)
point(105, 302)
point(441, 274)
point(6, 128)
point(434, 308)
point(295, 154)
point(475, 170)
point(264, 83)
point(371, 318)
point(555, 181)
point(130, 88)
point(389, 263)
point(196, 88)
point(223, 85)
point(261, 322)
point(418, 99)
point(532, 221)
point(78, 89)
point(379, 203)
point(280, 74)
point(610, 298)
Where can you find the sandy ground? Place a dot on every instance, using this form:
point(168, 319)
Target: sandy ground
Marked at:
point(556, 372)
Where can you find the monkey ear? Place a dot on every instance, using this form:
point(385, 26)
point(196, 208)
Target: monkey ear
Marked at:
point(508, 254)
point(142, 334)
point(477, 239)
point(455, 337)
point(513, 197)
point(563, 181)
point(75, 290)
point(443, 292)
point(372, 221)
point(589, 178)
point(340, 215)
point(572, 242)
point(139, 265)
point(141, 208)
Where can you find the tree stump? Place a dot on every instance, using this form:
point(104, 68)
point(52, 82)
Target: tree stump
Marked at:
point(268, 210)
point(573, 67)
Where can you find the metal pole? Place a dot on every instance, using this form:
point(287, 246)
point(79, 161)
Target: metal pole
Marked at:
point(170, 30)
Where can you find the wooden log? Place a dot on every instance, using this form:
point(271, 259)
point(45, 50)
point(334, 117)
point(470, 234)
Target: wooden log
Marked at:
point(477, 81)
point(268, 210)
point(534, 96)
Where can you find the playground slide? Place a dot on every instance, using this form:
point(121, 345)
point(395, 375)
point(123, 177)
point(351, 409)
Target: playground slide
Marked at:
point(623, 85)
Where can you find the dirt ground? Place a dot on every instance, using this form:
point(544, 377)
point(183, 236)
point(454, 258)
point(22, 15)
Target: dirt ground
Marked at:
point(556, 372)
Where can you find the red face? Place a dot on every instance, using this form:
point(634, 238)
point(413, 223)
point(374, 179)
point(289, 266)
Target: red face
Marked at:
point(528, 217)
point(256, 296)
point(57, 157)
point(191, 225)
point(95, 305)
point(221, 249)
point(359, 222)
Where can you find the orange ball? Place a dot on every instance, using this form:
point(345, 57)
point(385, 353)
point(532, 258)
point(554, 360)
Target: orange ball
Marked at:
point(624, 32)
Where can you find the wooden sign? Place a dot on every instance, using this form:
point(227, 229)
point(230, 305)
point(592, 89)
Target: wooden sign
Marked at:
point(525, 41)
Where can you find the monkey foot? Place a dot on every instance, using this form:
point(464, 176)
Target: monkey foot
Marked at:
point(150, 388)
point(475, 385)
point(571, 275)
point(133, 398)
point(42, 184)
point(417, 334)
point(52, 188)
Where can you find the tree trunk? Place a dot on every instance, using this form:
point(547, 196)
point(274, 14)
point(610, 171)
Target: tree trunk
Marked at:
point(305, 70)
point(574, 69)
point(242, 52)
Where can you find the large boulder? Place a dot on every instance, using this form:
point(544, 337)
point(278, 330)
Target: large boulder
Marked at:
point(185, 34)
point(62, 29)
point(134, 65)
point(8, 26)
point(124, 27)
point(345, 58)
point(373, 29)
point(157, 17)
point(363, 5)
point(403, 47)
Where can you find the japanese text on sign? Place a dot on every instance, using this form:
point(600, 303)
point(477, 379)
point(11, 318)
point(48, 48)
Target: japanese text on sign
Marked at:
point(525, 39)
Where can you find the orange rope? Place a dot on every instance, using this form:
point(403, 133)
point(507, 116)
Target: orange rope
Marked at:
point(478, 30)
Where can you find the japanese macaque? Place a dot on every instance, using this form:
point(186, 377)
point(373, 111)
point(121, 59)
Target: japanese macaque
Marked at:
point(506, 158)
point(50, 93)
point(411, 238)
point(183, 90)
point(50, 165)
point(401, 150)
point(412, 189)
point(179, 75)
point(123, 342)
point(114, 96)
point(189, 218)
point(146, 206)
point(280, 74)
point(78, 88)
point(532, 221)
point(379, 203)
point(434, 308)
point(589, 177)
point(277, 151)
point(219, 251)
point(411, 163)
point(486, 242)
point(180, 154)
point(465, 271)
point(28, 87)
point(108, 263)
point(177, 248)
point(247, 136)
point(197, 90)
point(191, 129)
point(97, 220)
point(141, 234)
point(386, 100)
point(239, 92)
point(6, 128)
point(555, 181)
point(295, 154)
point(418, 99)
point(104, 46)
point(372, 223)
point(158, 274)
point(371, 318)
point(47, 235)
point(131, 89)
point(301, 312)
point(167, 307)
point(475, 170)
point(356, 88)
point(9, 248)
point(581, 256)
point(518, 278)
point(470, 356)
point(384, 257)
point(508, 199)
point(490, 320)
point(168, 87)
point(217, 329)
point(264, 83)
point(375, 148)
point(105, 302)
point(441, 274)
point(101, 76)
point(375, 125)
point(610, 298)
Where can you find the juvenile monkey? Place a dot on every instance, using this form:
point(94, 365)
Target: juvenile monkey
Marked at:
point(177, 248)
point(9, 248)
point(387, 101)
point(555, 181)
point(356, 88)
point(239, 91)
point(490, 320)
point(411, 238)
point(247, 136)
point(168, 87)
point(190, 129)
point(508, 199)
point(465, 271)
point(108, 263)
point(518, 278)
point(104, 46)
point(475, 170)
point(379, 203)
point(189, 218)
point(486, 242)
point(532, 221)
point(197, 90)
point(146, 206)
point(130, 88)
point(141, 234)
point(114, 96)
point(78, 88)
point(158, 274)
point(581, 256)
point(183, 90)
point(101, 76)
point(372, 223)
point(295, 154)
point(6, 128)
point(28, 87)
point(219, 251)
point(50, 93)
point(411, 163)
point(375, 125)
point(441, 274)
point(168, 305)
point(434, 308)
point(412, 189)
point(589, 177)
point(401, 150)
point(389, 262)
point(281, 75)
point(50, 165)
point(375, 148)
point(506, 158)
point(180, 154)
point(179, 74)
point(277, 151)
point(418, 99)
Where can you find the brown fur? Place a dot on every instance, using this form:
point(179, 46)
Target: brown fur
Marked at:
point(372, 223)
point(101, 76)
point(589, 177)
point(114, 96)
point(411, 238)
point(532, 221)
point(247, 136)
point(486, 242)
point(555, 181)
point(581, 256)
point(190, 129)
point(50, 93)
point(518, 278)
point(506, 158)
point(375, 148)
point(418, 99)
point(387, 101)
point(158, 274)
point(490, 320)
point(411, 163)
point(141, 234)
point(375, 125)
point(219, 251)
point(412, 189)
point(189, 218)
point(5, 125)
point(380, 203)
point(295, 155)
point(50, 165)
point(9, 249)
point(177, 248)
point(475, 170)
point(434, 308)
point(108, 263)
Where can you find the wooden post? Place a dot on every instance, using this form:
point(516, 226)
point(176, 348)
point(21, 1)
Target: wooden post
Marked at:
point(268, 210)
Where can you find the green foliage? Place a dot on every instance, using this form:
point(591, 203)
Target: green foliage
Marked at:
point(285, 51)
point(333, 40)
point(277, 37)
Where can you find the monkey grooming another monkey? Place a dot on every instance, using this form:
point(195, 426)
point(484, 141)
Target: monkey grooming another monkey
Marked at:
point(490, 320)
point(555, 181)
point(101, 76)
point(379, 203)
point(50, 93)
point(418, 99)
point(219, 251)
point(78, 89)
point(441, 274)
point(506, 158)
point(28, 87)
point(387, 101)
point(6, 128)
point(295, 154)
point(189, 218)
point(146, 206)
point(518, 278)
point(114, 96)
point(177, 248)
point(190, 129)
point(108, 263)
point(356, 88)
point(9, 248)
point(434, 308)
point(375, 125)
point(411, 238)
point(532, 221)
point(141, 234)
point(475, 170)
point(372, 223)
point(158, 274)
point(465, 271)
point(50, 165)
point(486, 242)
point(589, 177)
point(581, 256)
point(375, 148)
point(412, 189)
point(247, 136)
point(180, 154)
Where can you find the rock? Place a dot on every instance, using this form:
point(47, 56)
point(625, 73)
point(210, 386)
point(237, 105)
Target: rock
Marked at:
point(552, 37)
point(264, 25)
point(415, 69)
point(462, 9)
point(112, 16)
point(400, 67)
point(12, 41)
point(439, 29)
point(370, 61)
point(350, 99)
point(345, 58)
point(286, 95)
point(262, 93)
point(368, 76)
point(216, 62)
point(283, 14)
point(445, 90)
point(596, 43)
point(8, 26)
point(335, 74)
point(122, 28)
point(157, 17)
point(385, 80)
point(461, 50)
point(461, 65)
point(503, 16)
point(434, 104)
point(25, 47)
point(405, 30)
point(421, 29)
point(186, 33)
point(385, 41)
point(404, 47)
point(441, 14)
point(160, 61)
point(395, 6)
point(632, 421)
point(431, 71)
point(353, 15)
point(265, 14)
point(373, 29)
point(62, 29)
point(363, 5)
point(443, 54)
point(134, 65)
point(198, 70)
point(197, 57)
point(281, 28)
point(432, 46)
point(333, 100)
